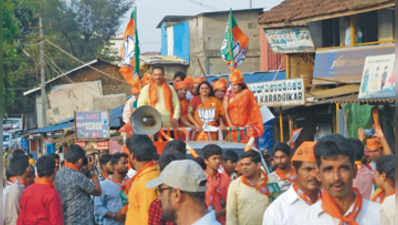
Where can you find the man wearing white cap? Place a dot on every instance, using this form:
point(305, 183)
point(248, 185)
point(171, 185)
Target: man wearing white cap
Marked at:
point(181, 189)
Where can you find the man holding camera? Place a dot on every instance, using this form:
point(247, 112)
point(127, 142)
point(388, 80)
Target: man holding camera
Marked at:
point(75, 188)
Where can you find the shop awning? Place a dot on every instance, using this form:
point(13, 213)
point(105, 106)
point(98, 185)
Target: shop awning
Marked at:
point(354, 98)
point(54, 128)
point(115, 116)
point(333, 92)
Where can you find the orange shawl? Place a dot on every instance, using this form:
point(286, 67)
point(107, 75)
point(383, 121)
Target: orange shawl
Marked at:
point(167, 95)
point(283, 176)
point(303, 195)
point(243, 110)
point(380, 196)
point(184, 107)
point(72, 166)
point(262, 187)
point(42, 180)
point(330, 207)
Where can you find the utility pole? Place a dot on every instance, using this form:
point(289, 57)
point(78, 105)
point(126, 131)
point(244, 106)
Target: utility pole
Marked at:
point(395, 129)
point(250, 4)
point(42, 82)
point(43, 77)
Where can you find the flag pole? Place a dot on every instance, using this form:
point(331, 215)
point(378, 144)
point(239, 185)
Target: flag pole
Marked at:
point(232, 65)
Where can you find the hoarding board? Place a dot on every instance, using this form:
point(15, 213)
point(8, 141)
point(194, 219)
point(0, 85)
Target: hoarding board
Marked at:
point(92, 125)
point(290, 40)
point(378, 80)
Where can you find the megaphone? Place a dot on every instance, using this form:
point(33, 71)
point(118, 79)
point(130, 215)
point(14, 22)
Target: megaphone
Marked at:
point(146, 120)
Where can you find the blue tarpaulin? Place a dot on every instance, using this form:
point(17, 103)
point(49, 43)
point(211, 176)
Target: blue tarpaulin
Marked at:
point(254, 77)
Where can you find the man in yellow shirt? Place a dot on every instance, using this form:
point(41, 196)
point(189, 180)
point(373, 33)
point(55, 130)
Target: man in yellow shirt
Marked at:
point(142, 155)
point(162, 97)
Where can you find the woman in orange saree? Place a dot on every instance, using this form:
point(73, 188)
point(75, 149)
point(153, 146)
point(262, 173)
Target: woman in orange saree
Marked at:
point(205, 110)
point(242, 110)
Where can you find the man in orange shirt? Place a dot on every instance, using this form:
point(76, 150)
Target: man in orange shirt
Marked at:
point(181, 88)
point(220, 88)
point(217, 183)
point(142, 155)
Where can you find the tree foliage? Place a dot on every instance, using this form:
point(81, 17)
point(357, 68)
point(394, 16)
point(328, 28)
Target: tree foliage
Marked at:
point(81, 27)
point(15, 24)
point(84, 26)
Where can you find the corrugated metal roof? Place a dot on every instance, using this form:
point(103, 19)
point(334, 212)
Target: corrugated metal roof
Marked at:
point(295, 10)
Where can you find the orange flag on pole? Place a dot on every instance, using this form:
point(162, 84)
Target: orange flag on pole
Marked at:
point(235, 44)
point(130, 52)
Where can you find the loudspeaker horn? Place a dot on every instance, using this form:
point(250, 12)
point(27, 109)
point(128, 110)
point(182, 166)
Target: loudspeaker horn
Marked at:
point(146, 120)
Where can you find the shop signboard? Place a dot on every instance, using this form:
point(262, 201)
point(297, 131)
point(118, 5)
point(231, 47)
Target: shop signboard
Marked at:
point(81, 143)
point(102, 145)
point(279, 93)
point(378, 80)
point(290, 40)
point(92, 125)
point(345, 65)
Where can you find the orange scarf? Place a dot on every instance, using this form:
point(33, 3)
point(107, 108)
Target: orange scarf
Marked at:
point(283, 176)
point(262, 187)
point(380, 196)
point(330, 207)
point(184, 107)
point(103, 175)
point(44, 180)
point(14, 179)
point(72, 166)
point(303, 195)
point(114, 180)
point(167, 96)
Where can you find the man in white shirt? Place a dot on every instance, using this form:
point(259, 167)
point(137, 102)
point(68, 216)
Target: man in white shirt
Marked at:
point(304, 192)
point(340, 203)
point(284, 173)
point(162, 97)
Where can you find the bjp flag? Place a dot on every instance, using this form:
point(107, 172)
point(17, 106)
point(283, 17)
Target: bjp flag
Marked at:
point(130, 52)
point(235, 44)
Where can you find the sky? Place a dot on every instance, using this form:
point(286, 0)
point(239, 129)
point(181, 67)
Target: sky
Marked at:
point(151, 12)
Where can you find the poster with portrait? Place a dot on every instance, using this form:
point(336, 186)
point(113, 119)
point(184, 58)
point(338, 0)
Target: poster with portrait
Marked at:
point(378, 80)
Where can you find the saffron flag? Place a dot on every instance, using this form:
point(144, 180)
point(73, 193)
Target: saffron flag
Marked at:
point(130, 52)
point(235, 44)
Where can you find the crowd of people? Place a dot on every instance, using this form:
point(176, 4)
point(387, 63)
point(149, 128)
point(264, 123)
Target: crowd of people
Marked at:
point(313, 184)
point(336, 180)
point(197, 104)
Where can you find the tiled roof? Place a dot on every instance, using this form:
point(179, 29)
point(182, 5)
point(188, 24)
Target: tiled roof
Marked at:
point(294, 10)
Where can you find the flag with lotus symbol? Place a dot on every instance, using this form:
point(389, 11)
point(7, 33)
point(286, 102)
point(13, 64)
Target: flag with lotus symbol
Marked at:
point(130, 51)
point(235, 44)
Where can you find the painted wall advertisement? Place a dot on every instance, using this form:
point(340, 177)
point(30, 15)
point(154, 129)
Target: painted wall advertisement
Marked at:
point(279, 93)
point(378, 80)
point(290, 40)
point(92, 124)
